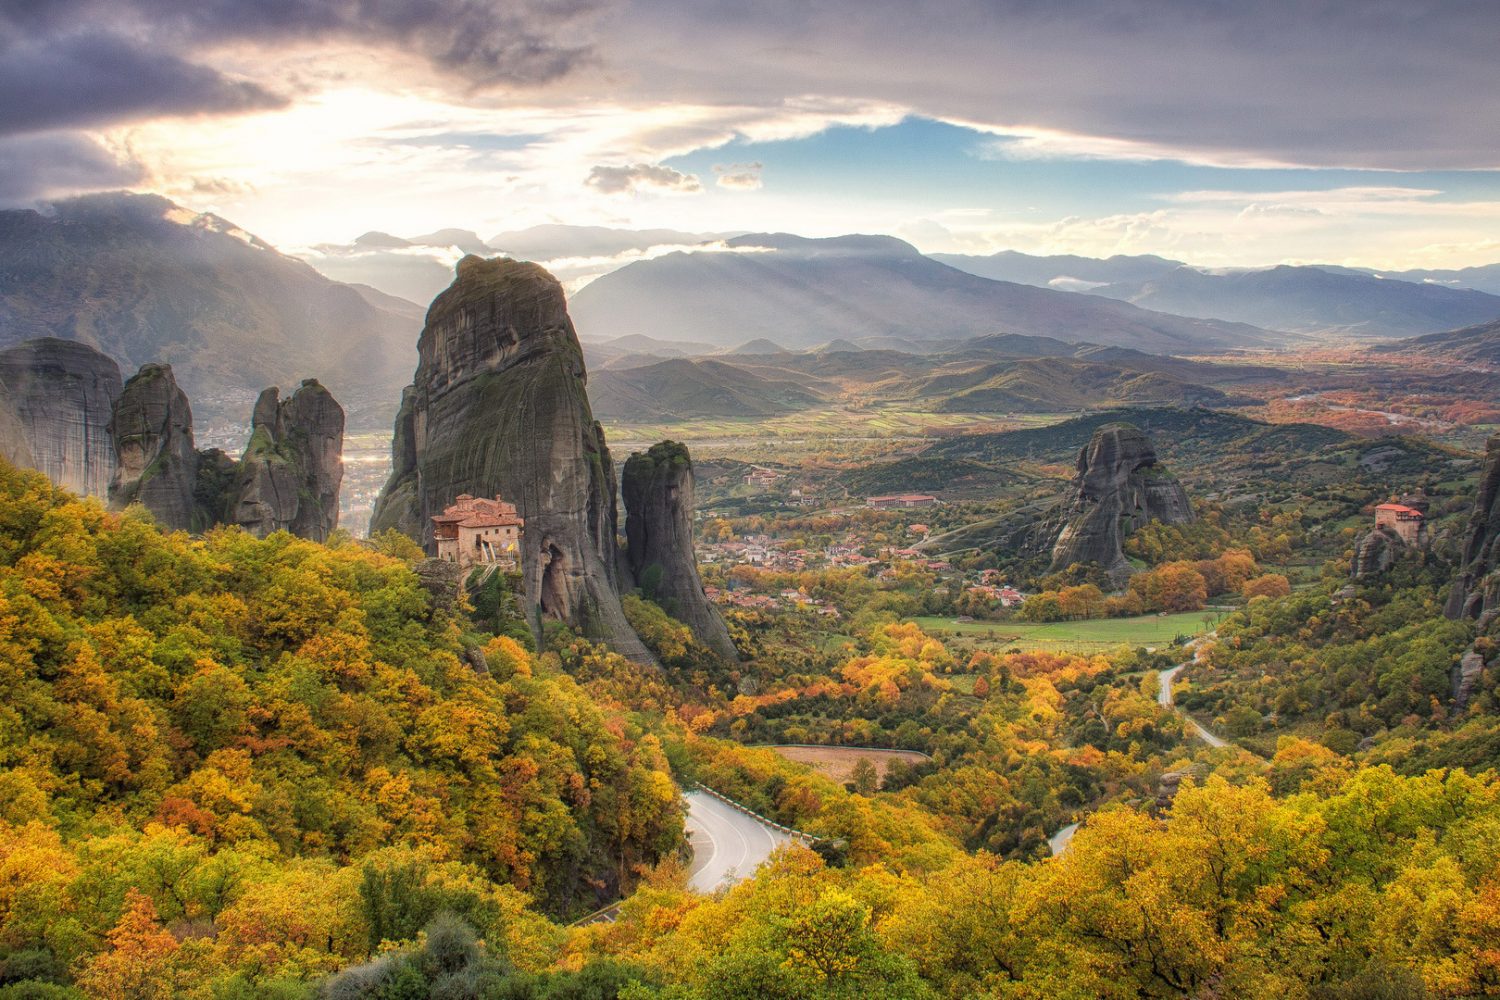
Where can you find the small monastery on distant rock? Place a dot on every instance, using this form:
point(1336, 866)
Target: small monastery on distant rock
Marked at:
point(1405, 518)
point(478, 532)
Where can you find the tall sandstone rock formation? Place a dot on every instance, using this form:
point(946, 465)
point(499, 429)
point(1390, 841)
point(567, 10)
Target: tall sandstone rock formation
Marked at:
point(657, 486)
point(498, 406)
point(15, 443)
point(63, 394)
point(290, 474)
point(1119, 489)
point(156, 461)
point(1476, 589)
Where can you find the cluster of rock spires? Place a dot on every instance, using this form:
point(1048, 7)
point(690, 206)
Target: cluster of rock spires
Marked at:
point(65, 413)
point(498, 406)
point(1119, 489)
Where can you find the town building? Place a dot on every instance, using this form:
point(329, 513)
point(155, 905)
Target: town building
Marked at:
point(478, 532)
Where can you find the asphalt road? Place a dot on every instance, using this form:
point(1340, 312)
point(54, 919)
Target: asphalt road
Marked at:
point(727, 844)
point(1164, 696)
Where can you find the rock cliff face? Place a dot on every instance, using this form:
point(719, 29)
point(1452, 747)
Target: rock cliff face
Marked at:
point(657, 487)
point(1476, 587)
point(15, 444)
point(63, 393)
point(157, 464)
point(1375, 552)
point(498, 406)
point(1119, 489)
point(292, 468)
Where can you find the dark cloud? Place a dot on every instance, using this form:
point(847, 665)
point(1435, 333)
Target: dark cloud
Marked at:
point(141, 59)
point(642, 177)
point(33, 167)
point(1405, 84)
point(95, 79)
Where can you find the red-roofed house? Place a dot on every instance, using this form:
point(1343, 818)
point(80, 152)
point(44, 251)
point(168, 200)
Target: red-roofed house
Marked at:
point(477, 531)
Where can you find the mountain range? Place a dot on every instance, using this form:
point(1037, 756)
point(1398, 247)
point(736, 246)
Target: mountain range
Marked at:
point(1307, 299)
point(144, 280)
point(419, 267)
point(799, 292)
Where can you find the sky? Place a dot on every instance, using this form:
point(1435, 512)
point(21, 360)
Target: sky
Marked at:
point(1224, 133)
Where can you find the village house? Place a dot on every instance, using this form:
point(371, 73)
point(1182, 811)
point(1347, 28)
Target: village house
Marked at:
point(900, 500)
point(478, 532)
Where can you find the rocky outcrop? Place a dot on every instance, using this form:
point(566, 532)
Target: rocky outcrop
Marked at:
point(1375, 552)
point(156, 462)
point(498, 406)
point(290, 474)
point(1119, 489)
point(657, 486)
point(62, 393)
point(1476, 588)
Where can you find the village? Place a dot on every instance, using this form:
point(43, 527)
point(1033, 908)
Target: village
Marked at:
point(882, 553)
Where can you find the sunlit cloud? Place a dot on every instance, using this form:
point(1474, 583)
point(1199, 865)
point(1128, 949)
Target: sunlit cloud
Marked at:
point(639, 178)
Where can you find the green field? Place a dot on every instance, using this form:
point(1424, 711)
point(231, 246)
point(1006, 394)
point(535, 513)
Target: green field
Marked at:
point(1073, 637)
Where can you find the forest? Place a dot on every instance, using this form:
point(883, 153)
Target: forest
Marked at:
point(236, 768)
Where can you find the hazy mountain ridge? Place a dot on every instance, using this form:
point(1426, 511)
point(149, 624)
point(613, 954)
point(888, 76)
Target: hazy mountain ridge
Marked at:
point(679, 389)
point(799, 293)
point(144, 280)
point(1300, 298)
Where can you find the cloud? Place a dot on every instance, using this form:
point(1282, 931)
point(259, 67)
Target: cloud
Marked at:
point(143, 59)
point(36, 167)
point(1385, 85)
point(739, 176)
point(638, 177)
point(93, 79)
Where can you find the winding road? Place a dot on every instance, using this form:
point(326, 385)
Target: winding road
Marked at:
point(728, 845)
point(1164, 698)
point(1059, 841)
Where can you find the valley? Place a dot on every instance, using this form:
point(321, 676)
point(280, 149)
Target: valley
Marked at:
point(925, 601)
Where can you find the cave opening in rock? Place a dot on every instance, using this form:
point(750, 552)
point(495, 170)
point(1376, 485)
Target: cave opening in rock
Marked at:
point(554, 593)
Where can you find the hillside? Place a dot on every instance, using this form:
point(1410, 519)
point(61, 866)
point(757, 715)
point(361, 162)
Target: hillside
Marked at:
point(1474, 345)
point(143, 280)
point(1052, 385)
point(799, 293)
point(679, 389)
point(1209, 447)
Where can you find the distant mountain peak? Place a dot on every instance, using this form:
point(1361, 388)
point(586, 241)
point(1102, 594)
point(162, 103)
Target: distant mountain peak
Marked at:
point(375, 239)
